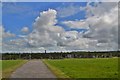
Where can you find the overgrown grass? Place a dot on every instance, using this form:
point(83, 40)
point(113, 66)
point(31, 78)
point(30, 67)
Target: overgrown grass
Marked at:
point(85, 68)
point(8, 66)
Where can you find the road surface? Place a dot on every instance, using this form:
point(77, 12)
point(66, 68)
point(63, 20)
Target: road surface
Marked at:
point(33, 69)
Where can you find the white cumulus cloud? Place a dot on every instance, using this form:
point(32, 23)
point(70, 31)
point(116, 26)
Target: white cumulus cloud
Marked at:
point(101, 23)
point(25, 29)
point(5, 34)
point(45, 32)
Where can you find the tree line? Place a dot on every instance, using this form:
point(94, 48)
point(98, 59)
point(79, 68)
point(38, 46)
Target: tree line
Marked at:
point(60, 55)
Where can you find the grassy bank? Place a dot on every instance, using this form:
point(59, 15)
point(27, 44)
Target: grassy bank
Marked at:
point(84, 68)
point(8, 66)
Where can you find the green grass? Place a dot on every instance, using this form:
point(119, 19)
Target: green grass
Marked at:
point(0, 63)
point(8, 66)
point(84, 68)
point(0, 69)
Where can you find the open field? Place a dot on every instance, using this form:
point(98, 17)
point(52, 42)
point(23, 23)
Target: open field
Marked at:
point(84, 68)
point(0, 69)
point(8, 66)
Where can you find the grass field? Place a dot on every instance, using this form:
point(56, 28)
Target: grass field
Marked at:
point(84, 68)
point(8, 66)
point(0, 69)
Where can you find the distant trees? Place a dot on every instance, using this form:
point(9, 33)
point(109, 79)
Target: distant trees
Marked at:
point(60, 55)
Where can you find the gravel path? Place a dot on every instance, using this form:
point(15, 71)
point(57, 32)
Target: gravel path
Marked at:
point(33, 69)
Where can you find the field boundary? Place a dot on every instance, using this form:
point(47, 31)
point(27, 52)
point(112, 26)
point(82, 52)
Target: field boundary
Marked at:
point(57, 72)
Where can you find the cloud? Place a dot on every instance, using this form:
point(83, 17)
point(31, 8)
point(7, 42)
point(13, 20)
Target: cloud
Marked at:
point(69, 35)
point(13, 8)
point(6, 34)
point(45, 32)
point(25, 30)
point(98, 8)
point(68, 11)
point(107, 22)
point(4, 39)
point(82, 43)
point(0, 38)
point(101, 34)
point(1, 30)
point(102, 27)
point(76, 24)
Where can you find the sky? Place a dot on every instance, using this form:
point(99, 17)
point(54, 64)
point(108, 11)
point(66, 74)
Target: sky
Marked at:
point(59, 26)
